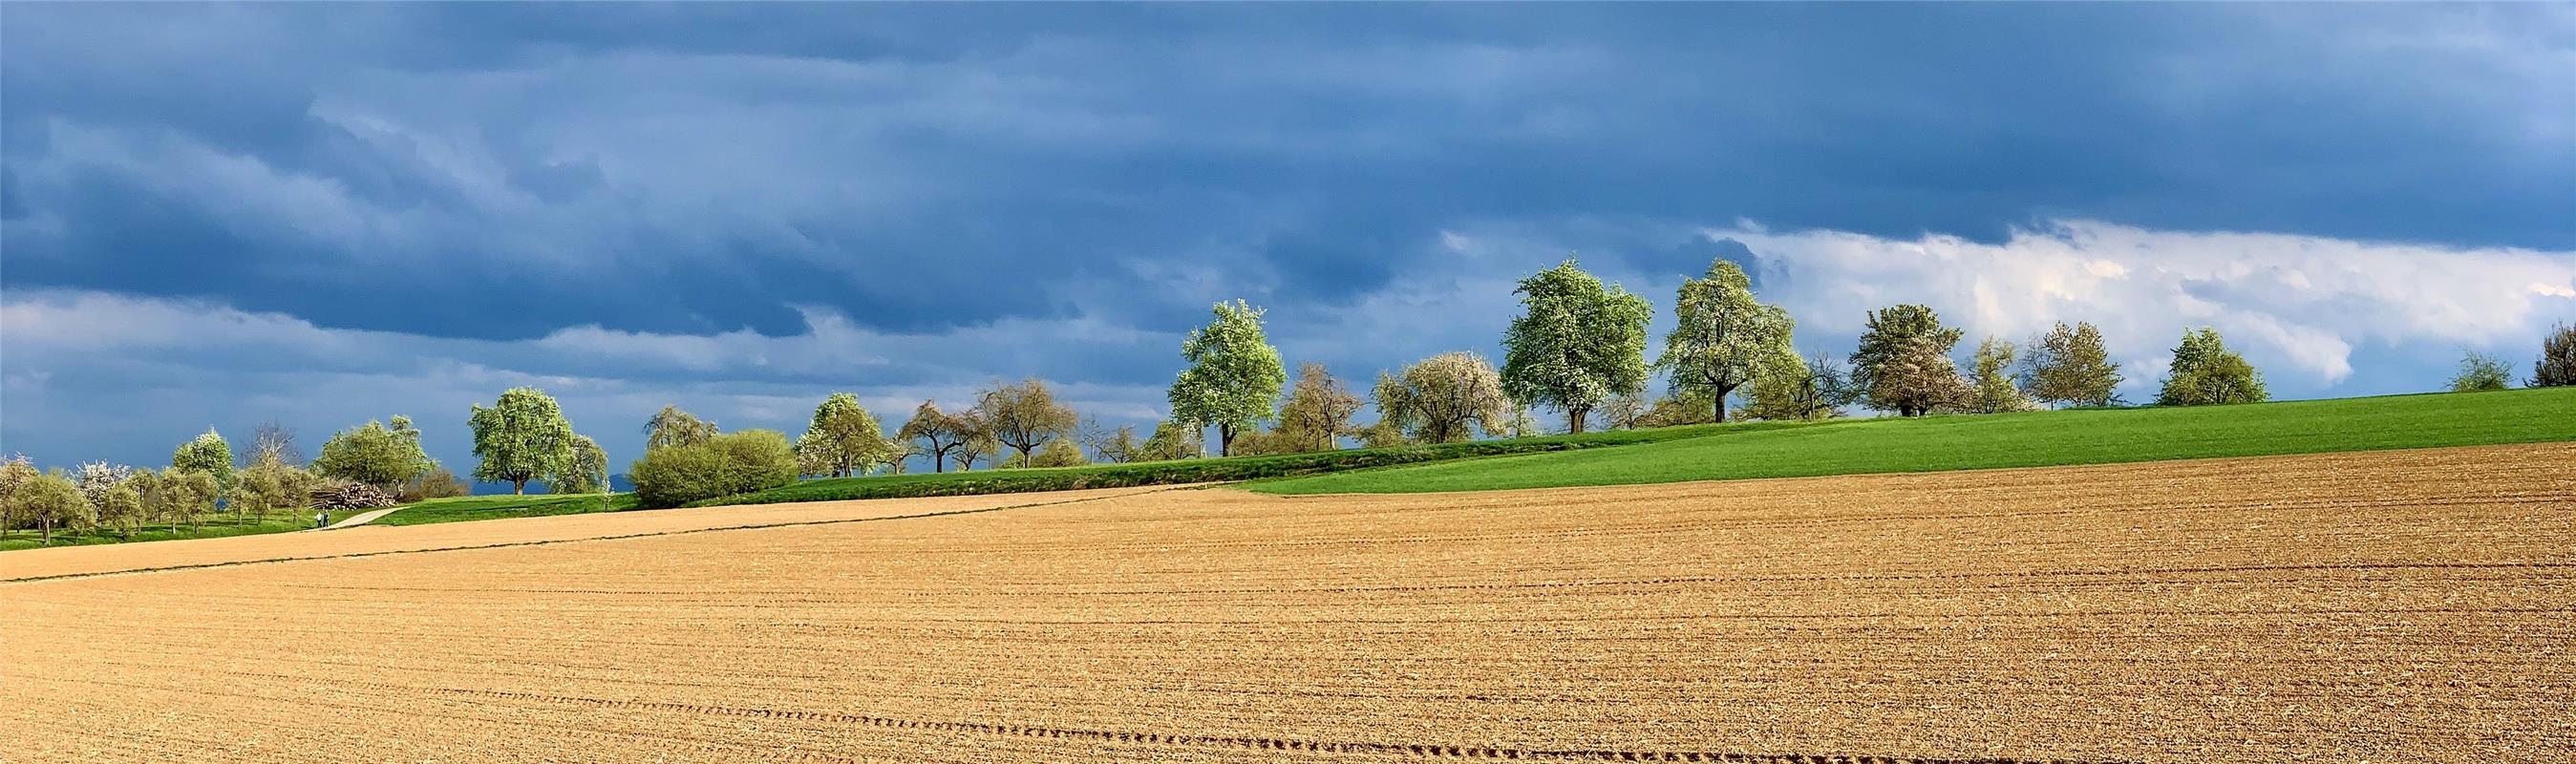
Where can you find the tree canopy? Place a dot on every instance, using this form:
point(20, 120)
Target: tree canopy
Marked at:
point(1903, 363)
point(585, 472)
point(1436, 400)
point(844, 439)
point(2557, 364)
point(521, 437)
point(1172, 439)
point(208, 454)
point(1023, 416)
point(1233, 376)
point(374, 454)
point(1576, 343)
point(1318, 412)
point(673, 427)
point(1723, 338)
point(2205, 372)
point(2069, 367)
point(1992, 388)
point(49, 500)
point(1797, 389)
point(940, 434)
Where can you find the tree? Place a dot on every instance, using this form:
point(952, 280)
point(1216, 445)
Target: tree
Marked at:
point(844, 437)
point(273, 439)
point(1623, 412)
point(374, 454)
point(208, 454)
point(2480, 372)
point(1172, 439)
point(1723, 337)
point(1023, 416)
point(585, 472)
point(2205, 372)
point(120, 507)
point(673, 427)
point(1383, 434)
point(522, 437)
point(1903, 363)
point(1435, 401)
point(1683, 407)
point(96, 478)
point(1796, 389)
point(1318, 412)
point(15, 471)
point(50, 500)
point(270, 485)
point(192, 495)
point(156, 498)
point(1115, 446)
point(2069, 367)
point(939, 433)
point(1060, 452)
point(1233, 375)
point(979, 443)
point(1993, 387)
point(1522, 425)
point(1576, 344)
point(2557, 364)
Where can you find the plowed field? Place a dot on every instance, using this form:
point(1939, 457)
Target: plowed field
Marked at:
point(2378, 606)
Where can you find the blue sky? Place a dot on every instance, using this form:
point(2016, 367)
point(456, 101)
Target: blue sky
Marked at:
point(328, 213)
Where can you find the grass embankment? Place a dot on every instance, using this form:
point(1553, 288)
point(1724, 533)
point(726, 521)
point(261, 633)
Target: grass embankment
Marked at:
point(2039, 438)
point(1209, 470)
point(467, 508)
point(463, 508)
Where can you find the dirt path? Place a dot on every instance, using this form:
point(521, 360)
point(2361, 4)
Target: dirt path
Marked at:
point(362, 518)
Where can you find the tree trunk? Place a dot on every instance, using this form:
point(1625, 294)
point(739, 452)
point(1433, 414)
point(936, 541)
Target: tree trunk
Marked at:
point(519, 487)
point(938, 461)
point(1720, 405)
point(1224, 440)
point(48, 525)
point(1574, 418)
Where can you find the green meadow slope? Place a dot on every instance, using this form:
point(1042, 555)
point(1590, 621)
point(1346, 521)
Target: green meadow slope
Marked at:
point(2039, 438)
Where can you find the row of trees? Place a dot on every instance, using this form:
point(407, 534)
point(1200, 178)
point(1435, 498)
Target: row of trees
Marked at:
point(372, 465)
point(1578, 347)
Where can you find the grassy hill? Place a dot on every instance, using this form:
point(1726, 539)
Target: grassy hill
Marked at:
point(2038, 438)
point(1229, 469)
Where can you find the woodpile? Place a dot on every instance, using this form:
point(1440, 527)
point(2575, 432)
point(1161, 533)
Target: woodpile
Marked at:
point(348, 495)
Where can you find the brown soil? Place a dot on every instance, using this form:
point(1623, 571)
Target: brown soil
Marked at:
point(2388, 606)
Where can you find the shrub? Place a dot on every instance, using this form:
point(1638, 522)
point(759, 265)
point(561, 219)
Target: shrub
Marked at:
point(2480, 373)
point(725, 465)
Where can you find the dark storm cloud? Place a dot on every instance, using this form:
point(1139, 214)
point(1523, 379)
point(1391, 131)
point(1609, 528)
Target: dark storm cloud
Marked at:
point(504, 173)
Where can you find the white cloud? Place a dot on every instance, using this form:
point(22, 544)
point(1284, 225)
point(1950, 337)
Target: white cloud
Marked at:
point(2301, 302)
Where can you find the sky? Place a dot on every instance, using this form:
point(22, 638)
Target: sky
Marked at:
point(323, 214)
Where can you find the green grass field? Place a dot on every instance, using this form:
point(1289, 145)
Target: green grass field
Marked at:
point(2039, 438)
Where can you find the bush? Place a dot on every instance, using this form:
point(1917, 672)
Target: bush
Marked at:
point(728, 464)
